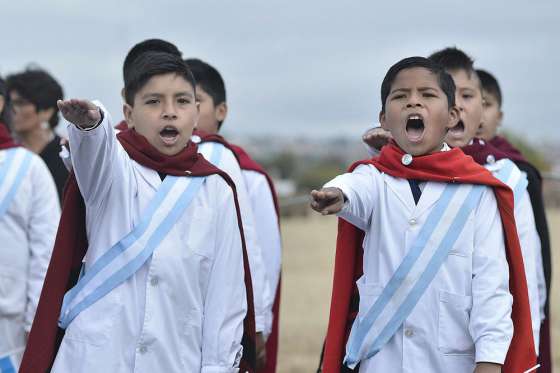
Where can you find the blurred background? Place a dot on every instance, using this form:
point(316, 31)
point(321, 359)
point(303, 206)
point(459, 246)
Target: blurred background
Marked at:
point(303, 82)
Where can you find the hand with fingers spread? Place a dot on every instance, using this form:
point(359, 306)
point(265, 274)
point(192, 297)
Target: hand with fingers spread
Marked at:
point(376, 138)
point(82, 113)
point(327, 201)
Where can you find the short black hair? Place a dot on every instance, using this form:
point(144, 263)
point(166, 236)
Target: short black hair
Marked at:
point(445, 81)
point(150, 64)
point(148, 45)
point(39, 88)
point(5, 113)
point(490, 84)
point(452, 59)
point(209, 79)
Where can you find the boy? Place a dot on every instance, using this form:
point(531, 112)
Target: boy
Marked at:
point(499, 148)
point(162, 285)
point(470, 104)
point(34, 94)
point(29, 213)
point(262, 215)
point(468, 99)
point(434, 264)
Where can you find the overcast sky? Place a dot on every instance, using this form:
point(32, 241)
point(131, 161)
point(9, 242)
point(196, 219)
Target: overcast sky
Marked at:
point(300, 67)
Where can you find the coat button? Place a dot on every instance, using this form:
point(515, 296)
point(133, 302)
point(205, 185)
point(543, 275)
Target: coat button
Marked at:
point(154, 281)
point(406, 159)
point(143, 349)
point(409, 333)
point(490, 159)
point(412, 221)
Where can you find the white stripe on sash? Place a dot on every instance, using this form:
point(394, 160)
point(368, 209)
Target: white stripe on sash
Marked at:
point(370, 332)
point(13, 168)
point(129, 254)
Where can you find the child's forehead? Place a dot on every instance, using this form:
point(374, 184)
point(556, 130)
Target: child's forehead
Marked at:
point(464, 78)
point(168, 81)
point(415, 76)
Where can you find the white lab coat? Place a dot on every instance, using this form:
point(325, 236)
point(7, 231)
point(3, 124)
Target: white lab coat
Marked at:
point(261, 287)
point(465, 314)
point(531, 251)
point(268, 230)
point(183, 311)
point(27, 233)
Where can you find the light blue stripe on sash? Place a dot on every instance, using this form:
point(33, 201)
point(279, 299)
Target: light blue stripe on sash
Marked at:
point(361, 328)
point(6, 365)
point(5, 203)
point(503, 175)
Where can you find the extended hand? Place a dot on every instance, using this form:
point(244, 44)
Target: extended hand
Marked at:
point(327, 200)
point(377, 137)
point(82, 113)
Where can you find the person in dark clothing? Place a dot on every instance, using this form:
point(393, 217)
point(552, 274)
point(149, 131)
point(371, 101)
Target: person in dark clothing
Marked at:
point(34, 94)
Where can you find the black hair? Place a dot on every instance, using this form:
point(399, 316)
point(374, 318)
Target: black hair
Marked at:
point(209, 79)
point(39, 88)
point(150, 64)
point(490, 84)
point(5, 112)
point(148, 45)
point(445, 81)
point(452, 59)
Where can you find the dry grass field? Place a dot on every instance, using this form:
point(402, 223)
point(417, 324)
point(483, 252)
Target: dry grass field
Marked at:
point(307, 275)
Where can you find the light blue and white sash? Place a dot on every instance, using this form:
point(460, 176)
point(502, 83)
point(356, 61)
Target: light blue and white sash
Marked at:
point(371, 331)
point(129, 254)
point(508, 173)
point(14, 164)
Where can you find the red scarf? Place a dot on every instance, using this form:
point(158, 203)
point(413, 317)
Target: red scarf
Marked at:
point(482, 151)
point(71, 245)
point(451, 166)
point(247, 163)
point(6, 140)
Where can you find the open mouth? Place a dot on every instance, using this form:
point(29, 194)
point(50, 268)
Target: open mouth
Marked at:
point(415, 127)
point(169, 135)
point(459, 129)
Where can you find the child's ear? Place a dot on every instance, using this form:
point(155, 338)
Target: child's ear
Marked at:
point(221, 112)
point(500, 118)
point(127, 112)
point(454, 117)
point(382, 120)
point(122, 94)
point(2, 102)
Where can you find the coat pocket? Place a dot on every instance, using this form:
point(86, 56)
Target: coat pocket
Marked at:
point(454, 337)
point(369, 292)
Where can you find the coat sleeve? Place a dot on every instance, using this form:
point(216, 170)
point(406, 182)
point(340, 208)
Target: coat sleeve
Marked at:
point(225, 303)
point(490, 325)
point(97, 158)
point(530, 249)
point(360, 191)
point(43, 224)
point(261, 288)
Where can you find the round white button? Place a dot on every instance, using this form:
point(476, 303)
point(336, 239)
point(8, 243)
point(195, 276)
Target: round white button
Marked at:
point(154, 281)
point(412, 221)
point(143, 349)
point(490, 159)
point(406, 159)
point(409, 333)
point(196, 139)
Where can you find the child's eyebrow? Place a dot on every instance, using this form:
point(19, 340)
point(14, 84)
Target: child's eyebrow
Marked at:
point(157, 95)
point(189, 94)
point(406, 90)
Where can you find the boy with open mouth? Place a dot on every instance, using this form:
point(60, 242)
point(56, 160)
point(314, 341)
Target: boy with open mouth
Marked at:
point(424, 235)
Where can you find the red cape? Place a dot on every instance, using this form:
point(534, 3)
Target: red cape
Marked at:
point(247, 163)
point(451, 166)
point(6, 140)
point(71, 245)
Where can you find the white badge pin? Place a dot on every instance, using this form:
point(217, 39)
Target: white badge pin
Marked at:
point(196, 139)
point(490, 159)
point(406, 159)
